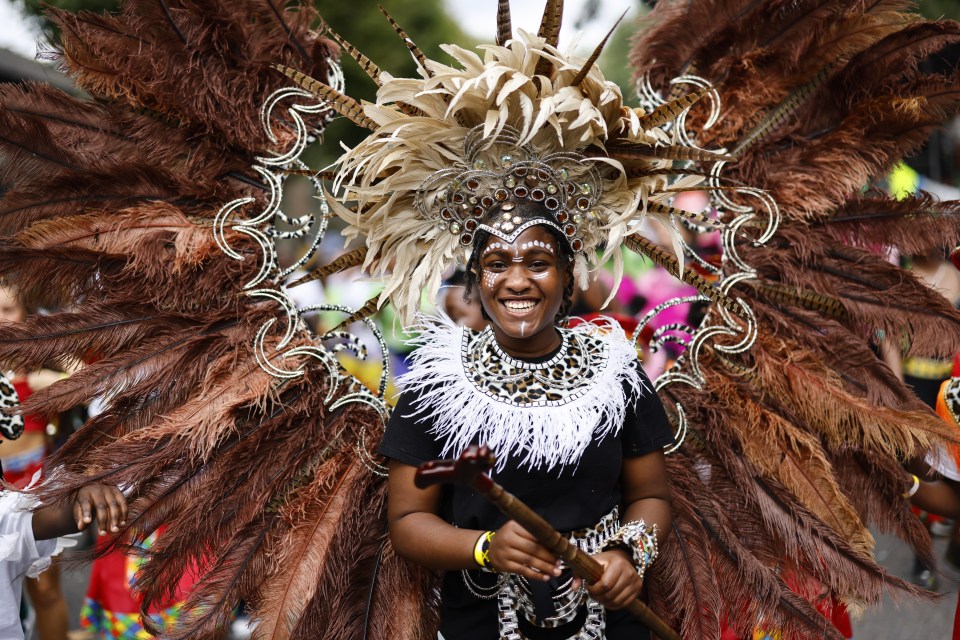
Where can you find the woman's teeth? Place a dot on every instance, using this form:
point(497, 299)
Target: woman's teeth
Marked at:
point(519, 305)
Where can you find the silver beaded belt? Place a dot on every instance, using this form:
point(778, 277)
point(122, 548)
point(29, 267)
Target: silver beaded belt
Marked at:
point(513, 592)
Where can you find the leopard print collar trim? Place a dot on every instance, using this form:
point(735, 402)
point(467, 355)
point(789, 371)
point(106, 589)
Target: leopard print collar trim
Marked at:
point(562, 379)
point(539, 415)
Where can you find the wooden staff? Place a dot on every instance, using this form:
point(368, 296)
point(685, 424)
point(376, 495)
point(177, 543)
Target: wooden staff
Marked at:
point(470, 469)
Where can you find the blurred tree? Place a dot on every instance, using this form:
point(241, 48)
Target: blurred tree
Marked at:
point(36, 7)
point(615, 57)
point(936, 9)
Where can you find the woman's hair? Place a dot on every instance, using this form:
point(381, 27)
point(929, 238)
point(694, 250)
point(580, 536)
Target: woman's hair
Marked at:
point(526, 210)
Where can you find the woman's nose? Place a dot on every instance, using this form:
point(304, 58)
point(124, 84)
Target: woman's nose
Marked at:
point(516, 276)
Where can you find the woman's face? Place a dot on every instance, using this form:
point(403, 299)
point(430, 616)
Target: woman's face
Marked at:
point(521, 284)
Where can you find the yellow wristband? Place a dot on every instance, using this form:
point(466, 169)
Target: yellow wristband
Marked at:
point(481, 550)
point(914, 488)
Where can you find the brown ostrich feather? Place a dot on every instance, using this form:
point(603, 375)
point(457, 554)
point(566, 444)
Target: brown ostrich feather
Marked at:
point(267, 488)
point(415, 616)
point(915, 224)
point(873, 292)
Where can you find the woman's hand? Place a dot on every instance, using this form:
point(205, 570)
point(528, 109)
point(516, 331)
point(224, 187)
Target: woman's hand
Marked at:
point(514, 550)
point(620, 583)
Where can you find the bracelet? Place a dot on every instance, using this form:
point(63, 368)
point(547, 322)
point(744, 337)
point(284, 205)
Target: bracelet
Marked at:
point(913, 490)
point(640, 542)
point(481, 550)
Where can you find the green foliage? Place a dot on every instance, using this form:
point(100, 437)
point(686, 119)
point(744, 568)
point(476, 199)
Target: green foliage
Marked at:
point(36, 7)
point(936, 9)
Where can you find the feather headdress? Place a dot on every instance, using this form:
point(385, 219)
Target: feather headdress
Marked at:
point(523, 121)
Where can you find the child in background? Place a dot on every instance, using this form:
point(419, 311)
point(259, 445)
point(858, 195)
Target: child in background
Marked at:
point(22, 458)
point(28, 538)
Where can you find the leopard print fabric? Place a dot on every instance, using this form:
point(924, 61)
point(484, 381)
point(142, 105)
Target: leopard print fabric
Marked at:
point(562, 379)
point(951, 398)
point(11, 426)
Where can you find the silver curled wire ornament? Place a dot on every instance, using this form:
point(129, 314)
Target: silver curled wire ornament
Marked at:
point(268, 223)
point(720, 328)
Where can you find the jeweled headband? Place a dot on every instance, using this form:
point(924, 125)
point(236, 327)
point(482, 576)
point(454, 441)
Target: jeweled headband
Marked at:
point(498, 169)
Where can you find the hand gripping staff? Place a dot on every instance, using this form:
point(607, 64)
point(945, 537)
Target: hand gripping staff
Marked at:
point(470, 469)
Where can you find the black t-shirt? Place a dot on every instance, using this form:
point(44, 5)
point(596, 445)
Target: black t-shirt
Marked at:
point(570, 498)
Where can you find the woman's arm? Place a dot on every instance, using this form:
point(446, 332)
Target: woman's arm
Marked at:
point(421, 536)
point(646, 492)
point(646, 496)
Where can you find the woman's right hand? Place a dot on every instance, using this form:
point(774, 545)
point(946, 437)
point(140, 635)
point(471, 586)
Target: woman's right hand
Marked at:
point(515, 550)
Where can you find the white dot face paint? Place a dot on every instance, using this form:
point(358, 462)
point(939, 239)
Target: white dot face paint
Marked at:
point(538, 243)
point(493, 246)
point(516, 252)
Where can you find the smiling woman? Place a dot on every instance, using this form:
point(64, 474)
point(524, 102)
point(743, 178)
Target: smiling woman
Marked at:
point(525, 283)
point(577, 430)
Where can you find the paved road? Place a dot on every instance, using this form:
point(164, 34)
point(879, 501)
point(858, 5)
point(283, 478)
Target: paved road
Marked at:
point(904, 620)
point(910, 619)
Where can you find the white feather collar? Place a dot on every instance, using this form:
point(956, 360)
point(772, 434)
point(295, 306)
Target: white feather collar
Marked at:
point(541, 434)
